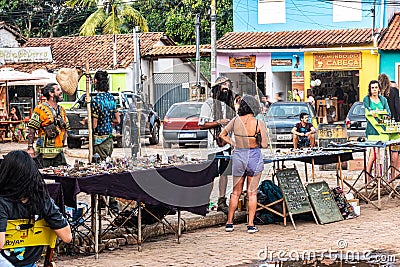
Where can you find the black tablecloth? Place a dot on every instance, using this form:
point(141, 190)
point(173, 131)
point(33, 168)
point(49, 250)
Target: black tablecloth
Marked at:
point(319, 158)
point(139, 185)
point(56, 193)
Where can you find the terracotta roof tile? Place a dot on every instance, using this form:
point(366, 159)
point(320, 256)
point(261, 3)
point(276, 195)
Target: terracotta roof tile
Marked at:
point(97, 50)
point(390, 39)
point(177, 51)
point(294, 39)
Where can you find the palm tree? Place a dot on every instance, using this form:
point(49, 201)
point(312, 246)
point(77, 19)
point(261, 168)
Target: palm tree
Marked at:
point(113, 16)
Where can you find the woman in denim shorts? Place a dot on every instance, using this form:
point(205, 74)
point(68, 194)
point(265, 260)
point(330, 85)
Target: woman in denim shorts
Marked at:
point(247, 161)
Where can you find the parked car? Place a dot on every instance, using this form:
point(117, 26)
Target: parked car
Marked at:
point(79, 133)
point(180, 125)
point(150, 121)
point(356, 121)
point(282, 117)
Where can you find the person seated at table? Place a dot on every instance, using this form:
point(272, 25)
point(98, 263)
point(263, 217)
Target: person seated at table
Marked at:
point(374, 101)
point(15, 114)
point(23, 195)
point(303, 133)
point(247, 160)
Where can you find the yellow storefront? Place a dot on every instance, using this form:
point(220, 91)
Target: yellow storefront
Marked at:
point(326, 71)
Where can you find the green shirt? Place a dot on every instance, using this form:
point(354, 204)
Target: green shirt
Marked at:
point(376, 106)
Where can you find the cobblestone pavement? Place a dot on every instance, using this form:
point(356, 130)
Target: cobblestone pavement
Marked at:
point(373, 230)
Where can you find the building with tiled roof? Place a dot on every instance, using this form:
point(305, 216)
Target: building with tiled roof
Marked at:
point(282, 61)
point(294, 39)
point(389, 49)
point(161, 73)
point(98, 51)
point(186, 51)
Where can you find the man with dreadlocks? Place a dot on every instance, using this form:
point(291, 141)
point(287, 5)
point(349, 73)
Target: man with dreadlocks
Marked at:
point(215, 114)
point(24, 195)
point(51, 122)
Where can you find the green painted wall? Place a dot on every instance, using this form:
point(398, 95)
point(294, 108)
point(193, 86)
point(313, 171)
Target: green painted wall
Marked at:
point(118, 81)
point(388, 63)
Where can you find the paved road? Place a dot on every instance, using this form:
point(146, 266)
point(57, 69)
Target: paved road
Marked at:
point(373, 230)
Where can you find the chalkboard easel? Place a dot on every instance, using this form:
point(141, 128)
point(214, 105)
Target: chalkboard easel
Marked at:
point(295, 196)
point(323, 202)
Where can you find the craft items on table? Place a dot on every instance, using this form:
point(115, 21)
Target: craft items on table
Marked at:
point(119, 165)
point(387, 128)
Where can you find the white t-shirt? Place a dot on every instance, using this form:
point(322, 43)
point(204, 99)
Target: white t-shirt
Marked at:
point(207, 115)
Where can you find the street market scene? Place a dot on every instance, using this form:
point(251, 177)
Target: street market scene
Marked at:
point(205, 133)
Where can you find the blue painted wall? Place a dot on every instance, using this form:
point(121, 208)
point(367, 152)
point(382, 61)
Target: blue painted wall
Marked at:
point(388, 62)
point(307, 14)
point(288, 55)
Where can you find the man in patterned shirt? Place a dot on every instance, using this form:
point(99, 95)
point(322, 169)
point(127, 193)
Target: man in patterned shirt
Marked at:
point(104, 113)
point(50, 120)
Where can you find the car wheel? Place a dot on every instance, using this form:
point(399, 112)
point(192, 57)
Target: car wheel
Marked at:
point(155, 135)
point(74, 143)
point(166, 144)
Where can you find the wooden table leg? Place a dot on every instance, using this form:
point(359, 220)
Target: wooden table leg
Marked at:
point(313, 170)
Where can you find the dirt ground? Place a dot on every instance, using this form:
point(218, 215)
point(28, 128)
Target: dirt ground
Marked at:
point(375, 230)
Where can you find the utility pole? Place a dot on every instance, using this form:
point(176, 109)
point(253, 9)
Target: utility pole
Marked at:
point(136, 60)
point(197, 25)
point(137, 88)
point(213, 42)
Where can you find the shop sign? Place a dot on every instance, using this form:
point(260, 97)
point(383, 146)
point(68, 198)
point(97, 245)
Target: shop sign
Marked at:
point(25, 55)
point(281, 62)
point(246, 62)
point(339, 60)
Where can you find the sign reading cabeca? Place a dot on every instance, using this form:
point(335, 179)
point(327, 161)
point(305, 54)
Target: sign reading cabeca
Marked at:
point(339, 60)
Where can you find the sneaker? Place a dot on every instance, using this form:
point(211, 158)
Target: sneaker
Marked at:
point(229, 227)
point(251, 229)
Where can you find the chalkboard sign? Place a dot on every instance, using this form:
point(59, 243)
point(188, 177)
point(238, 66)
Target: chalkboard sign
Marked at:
point(293, 191)
point(324, 205)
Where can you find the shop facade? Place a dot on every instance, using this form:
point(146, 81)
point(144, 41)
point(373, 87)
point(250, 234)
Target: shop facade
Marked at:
point(331, 73)
point(287, 73)
point(246, 70)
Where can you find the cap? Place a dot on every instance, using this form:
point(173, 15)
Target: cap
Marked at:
point(221, 80)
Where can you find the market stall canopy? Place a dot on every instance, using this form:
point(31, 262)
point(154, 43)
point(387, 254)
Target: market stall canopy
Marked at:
point(41, 77)
point(13, 75)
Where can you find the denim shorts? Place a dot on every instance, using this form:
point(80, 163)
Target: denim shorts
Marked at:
point(247, 162)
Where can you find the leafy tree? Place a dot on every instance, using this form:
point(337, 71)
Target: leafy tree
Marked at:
point(114, 16)
point(177, 18)
point(41, 18)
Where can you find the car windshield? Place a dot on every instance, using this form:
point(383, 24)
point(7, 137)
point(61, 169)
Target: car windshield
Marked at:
point(359, 110)
point(184, 111)
point(287, 111)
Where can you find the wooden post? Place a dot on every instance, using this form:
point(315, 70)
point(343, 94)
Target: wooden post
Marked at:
point(89, 112)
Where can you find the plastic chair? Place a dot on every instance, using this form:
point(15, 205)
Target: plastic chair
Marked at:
point(22, 233)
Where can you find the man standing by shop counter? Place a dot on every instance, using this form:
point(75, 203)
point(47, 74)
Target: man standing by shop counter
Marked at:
point(215, 114)
point(50, 120)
